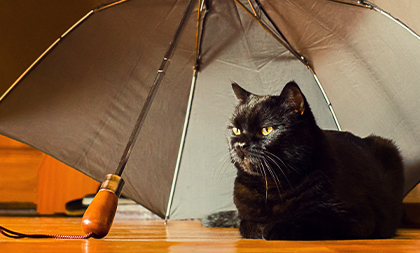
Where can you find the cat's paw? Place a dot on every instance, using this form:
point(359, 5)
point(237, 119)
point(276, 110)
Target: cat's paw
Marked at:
point(251, 230)
point(280, 231)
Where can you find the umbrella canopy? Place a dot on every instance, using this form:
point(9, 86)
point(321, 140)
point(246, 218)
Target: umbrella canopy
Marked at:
point(80, 102)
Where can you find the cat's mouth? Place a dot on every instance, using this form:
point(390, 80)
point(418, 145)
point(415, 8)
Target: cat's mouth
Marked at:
point(249, 166)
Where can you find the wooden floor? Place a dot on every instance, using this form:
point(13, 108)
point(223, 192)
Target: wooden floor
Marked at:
point(178, 236)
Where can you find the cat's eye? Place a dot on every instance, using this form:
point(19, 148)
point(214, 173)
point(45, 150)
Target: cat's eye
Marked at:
point(266, 130)
point(236, 131)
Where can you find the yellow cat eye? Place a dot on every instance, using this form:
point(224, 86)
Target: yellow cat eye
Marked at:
point(266, 130)
point(236, 131)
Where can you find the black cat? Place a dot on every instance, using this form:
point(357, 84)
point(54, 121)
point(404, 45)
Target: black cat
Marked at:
point(298, 182)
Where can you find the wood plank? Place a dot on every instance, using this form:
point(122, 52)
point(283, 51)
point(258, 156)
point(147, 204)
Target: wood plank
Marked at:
point(180, 236)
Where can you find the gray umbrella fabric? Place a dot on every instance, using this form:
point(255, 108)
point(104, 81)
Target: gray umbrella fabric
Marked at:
point(80, 102)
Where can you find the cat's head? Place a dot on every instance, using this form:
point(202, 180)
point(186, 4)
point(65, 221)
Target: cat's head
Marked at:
point(268, 132)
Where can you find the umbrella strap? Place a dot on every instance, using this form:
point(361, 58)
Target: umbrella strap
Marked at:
point(16, 235)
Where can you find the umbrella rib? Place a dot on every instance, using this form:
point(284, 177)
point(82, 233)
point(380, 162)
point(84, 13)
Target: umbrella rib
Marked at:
point(324, 94)
point(273, 24)
point(7, 92)
point(202, 10)
point(357, 3)
point(272, 33)
point(402, 24)
point(253, 9)
point(289, 47)
point(182, 144)
point(54, 44)
point(76, 24)
point(369, 5)
point(109, 5)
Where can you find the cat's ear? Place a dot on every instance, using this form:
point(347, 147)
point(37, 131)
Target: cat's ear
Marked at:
point(240, 93)
point(294, 97)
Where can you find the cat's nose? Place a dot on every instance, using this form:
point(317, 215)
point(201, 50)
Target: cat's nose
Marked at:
point(240, 149)
point(241, 144)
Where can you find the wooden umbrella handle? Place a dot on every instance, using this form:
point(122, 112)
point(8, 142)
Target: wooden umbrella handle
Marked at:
point(100, 214)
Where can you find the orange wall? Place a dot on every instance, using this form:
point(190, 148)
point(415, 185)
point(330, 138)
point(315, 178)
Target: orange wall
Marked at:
point(58, 184)
point(19, 165)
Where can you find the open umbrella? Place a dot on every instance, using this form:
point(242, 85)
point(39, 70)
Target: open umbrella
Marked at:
point(356, 64)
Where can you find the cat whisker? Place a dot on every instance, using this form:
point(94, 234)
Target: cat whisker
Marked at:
point(261, 168)
point(281, 170)
point(278, 166)
point(233, 157)
point(275, 178)
point(226, 158)
point(224, 163)
point(268, 153)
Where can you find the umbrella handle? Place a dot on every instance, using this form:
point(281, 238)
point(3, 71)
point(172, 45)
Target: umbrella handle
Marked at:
point(100, 214)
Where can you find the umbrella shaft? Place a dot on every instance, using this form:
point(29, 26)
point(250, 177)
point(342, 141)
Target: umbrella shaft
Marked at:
point(140, 121)
point(153, 91)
